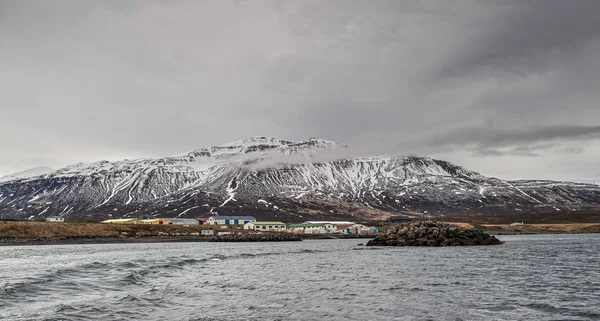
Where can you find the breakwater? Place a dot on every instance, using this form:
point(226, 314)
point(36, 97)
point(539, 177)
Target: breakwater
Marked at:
point(255, 237)
point(433, 234)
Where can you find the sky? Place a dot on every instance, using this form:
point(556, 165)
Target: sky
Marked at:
point(509, 88)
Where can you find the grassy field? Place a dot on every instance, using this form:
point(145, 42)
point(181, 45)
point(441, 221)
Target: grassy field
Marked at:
point(545, 228)
point(45, 229)
point(532, 218)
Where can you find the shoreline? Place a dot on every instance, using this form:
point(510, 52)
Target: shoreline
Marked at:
point(27, 241)
point(18, 241)
point(75, 240)
point(43, 233)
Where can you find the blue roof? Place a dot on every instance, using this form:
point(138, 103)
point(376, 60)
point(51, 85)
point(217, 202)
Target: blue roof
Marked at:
point(225, 217)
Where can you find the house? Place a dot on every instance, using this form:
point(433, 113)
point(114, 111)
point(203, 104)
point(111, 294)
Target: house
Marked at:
point(312, 228)
point(357, 229)
point(207, 232)
point(182, 221)
point(517, 224)
point(55, 219)
point(373, 230)
point(123, 221)
point(334, 226)
point(202, 221)
point(156, 221)
point(265, 226)
point(343, 228)
point(230, 220)
point(398, 219)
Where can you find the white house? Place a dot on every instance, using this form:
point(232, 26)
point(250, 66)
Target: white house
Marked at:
point(265, 226)
point(55, 219)
point(333, 226)
point(313, 228)
point(229, 220)
point(358, 229)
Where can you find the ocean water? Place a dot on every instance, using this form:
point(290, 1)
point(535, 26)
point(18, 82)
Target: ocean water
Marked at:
point(532, 277)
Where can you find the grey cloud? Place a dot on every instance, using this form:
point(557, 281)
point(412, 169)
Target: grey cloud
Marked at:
point(122, 79)
point(505, 137)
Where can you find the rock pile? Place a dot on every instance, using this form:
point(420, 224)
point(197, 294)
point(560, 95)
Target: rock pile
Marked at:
point(256, 237)
point(433, 234)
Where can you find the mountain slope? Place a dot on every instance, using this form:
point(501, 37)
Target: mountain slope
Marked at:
point(273, 178)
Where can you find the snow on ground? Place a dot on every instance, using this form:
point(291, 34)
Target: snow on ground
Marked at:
point(231, 188)
point(482, 191)
point(189, 209)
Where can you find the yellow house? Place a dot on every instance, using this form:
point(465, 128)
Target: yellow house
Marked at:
point(156, 221)
point(123, 221)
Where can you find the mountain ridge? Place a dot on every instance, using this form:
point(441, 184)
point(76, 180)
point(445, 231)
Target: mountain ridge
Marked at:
point(279, 179)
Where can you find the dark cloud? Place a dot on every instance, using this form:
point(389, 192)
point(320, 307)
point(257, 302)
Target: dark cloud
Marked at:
point(508, 137)
point(453, 79)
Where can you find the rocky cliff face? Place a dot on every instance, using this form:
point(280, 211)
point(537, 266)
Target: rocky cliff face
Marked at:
point(273, 178)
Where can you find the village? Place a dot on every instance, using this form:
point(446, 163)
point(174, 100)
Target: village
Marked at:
point(228, 224)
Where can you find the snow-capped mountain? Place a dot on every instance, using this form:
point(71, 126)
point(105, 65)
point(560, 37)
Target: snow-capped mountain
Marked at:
point(273, 178)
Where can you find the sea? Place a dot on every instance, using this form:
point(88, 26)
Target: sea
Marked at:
point(530, 277)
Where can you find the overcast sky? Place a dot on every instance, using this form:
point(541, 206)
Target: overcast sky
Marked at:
point(507, 88)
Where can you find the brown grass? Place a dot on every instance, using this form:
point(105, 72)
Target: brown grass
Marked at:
point(540, 228)
point(45, 229)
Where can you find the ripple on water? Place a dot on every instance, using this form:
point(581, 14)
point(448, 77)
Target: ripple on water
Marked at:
point(527, 278)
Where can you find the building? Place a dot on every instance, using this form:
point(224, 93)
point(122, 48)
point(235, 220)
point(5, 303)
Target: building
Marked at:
point(156, 221)
point(517, 224)
point(230, 220)
point(312, 228)
point(398, 219)
point(182, 221)
point(343, 228)
point(207, 232)
point(265, 226)
point(123, 221)
point(202, 221)
point(55, 219)
point(357, 229)
point(333, 226)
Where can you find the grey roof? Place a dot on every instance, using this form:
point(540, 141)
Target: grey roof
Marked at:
point(225, 217)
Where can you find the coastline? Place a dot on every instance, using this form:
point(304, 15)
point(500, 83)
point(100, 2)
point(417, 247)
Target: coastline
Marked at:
point(26, 241)
point(81, 240)
point(42, 233)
